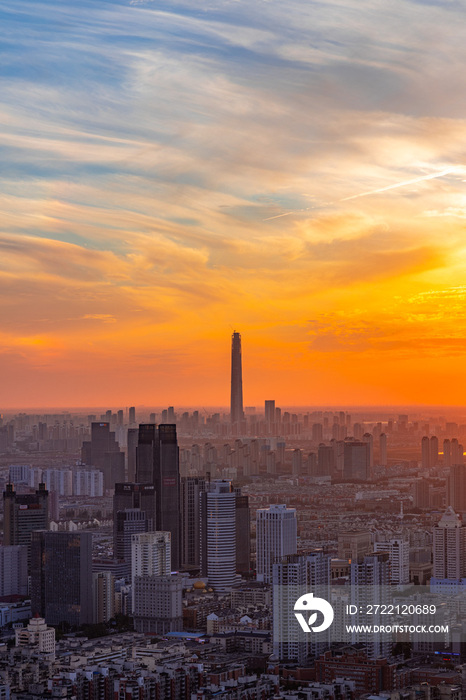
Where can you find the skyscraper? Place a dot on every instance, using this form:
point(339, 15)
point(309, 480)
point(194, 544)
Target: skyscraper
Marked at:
point(449, 548)
point(356, 463)
point(14, 570)
point(370, 582)
point(145, 453)
point(293, 576)
point(132, 443)
point(131, 495)
point(433, 451)
point(446, 453)
point(325, 460)
point(151, 554)
point(167, 488)
point(127, 523)
point(425, 452)
point(61, 576)
point(456, 488)
point(383, 450)
point(456, 452)
point(398, 552)
point(156, 593)
point(236, 400)
point(276, 537)
point(103, 451)
point(157, 462)
point(218, 535)
point(191, 488)
point(103, 591)
point(269, 410)
point(22, 514)
point(243, 534)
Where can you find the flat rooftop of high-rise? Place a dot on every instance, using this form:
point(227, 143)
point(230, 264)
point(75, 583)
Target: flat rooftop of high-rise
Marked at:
point(274, 507)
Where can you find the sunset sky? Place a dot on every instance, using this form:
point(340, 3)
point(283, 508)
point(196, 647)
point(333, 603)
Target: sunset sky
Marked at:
point(293, 170)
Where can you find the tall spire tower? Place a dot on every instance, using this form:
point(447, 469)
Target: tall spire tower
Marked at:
point(236, 402)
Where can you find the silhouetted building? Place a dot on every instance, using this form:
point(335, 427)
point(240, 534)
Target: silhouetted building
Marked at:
point(434, 451)
point(132, 443)
point(269, 410)
point(157, 462)
point(61, 577)
point(325, 460)
point(421, 496)
point(191, 489)
point(243, 533)
point(22, 514)
point(132, 415)
point(146, 449)
point(297, 462)
point(456, 488)
point(141, 496)
point(236, 399)
point(369, 440)
point(13, 570)
point(167, 487)
point(356, 463)
point(457, 456)
point(383, 450)
point(103, 451)
point(425, 452)
point(446, 453)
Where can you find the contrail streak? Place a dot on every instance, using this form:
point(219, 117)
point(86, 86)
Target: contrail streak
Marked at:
point(405, 183)
point(288, 213)
point(447, 171)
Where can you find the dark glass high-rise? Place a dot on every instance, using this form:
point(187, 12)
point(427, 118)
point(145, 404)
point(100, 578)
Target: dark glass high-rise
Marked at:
point(61, 576)
point(157, 462)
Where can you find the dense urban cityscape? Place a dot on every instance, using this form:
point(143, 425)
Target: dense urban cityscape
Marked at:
point(157, 553)
point(232, 350)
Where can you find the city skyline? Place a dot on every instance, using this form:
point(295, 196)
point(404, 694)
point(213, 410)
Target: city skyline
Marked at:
point(232, 342)
point(170, 173)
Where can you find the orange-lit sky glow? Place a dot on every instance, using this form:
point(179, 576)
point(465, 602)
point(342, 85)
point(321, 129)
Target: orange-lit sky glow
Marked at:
point(174, 170)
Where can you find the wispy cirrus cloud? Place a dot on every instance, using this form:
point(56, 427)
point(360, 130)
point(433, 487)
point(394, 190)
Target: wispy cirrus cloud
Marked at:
point(171, 168)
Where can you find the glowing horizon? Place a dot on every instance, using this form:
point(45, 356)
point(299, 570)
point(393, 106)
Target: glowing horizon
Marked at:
point(170, 172)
